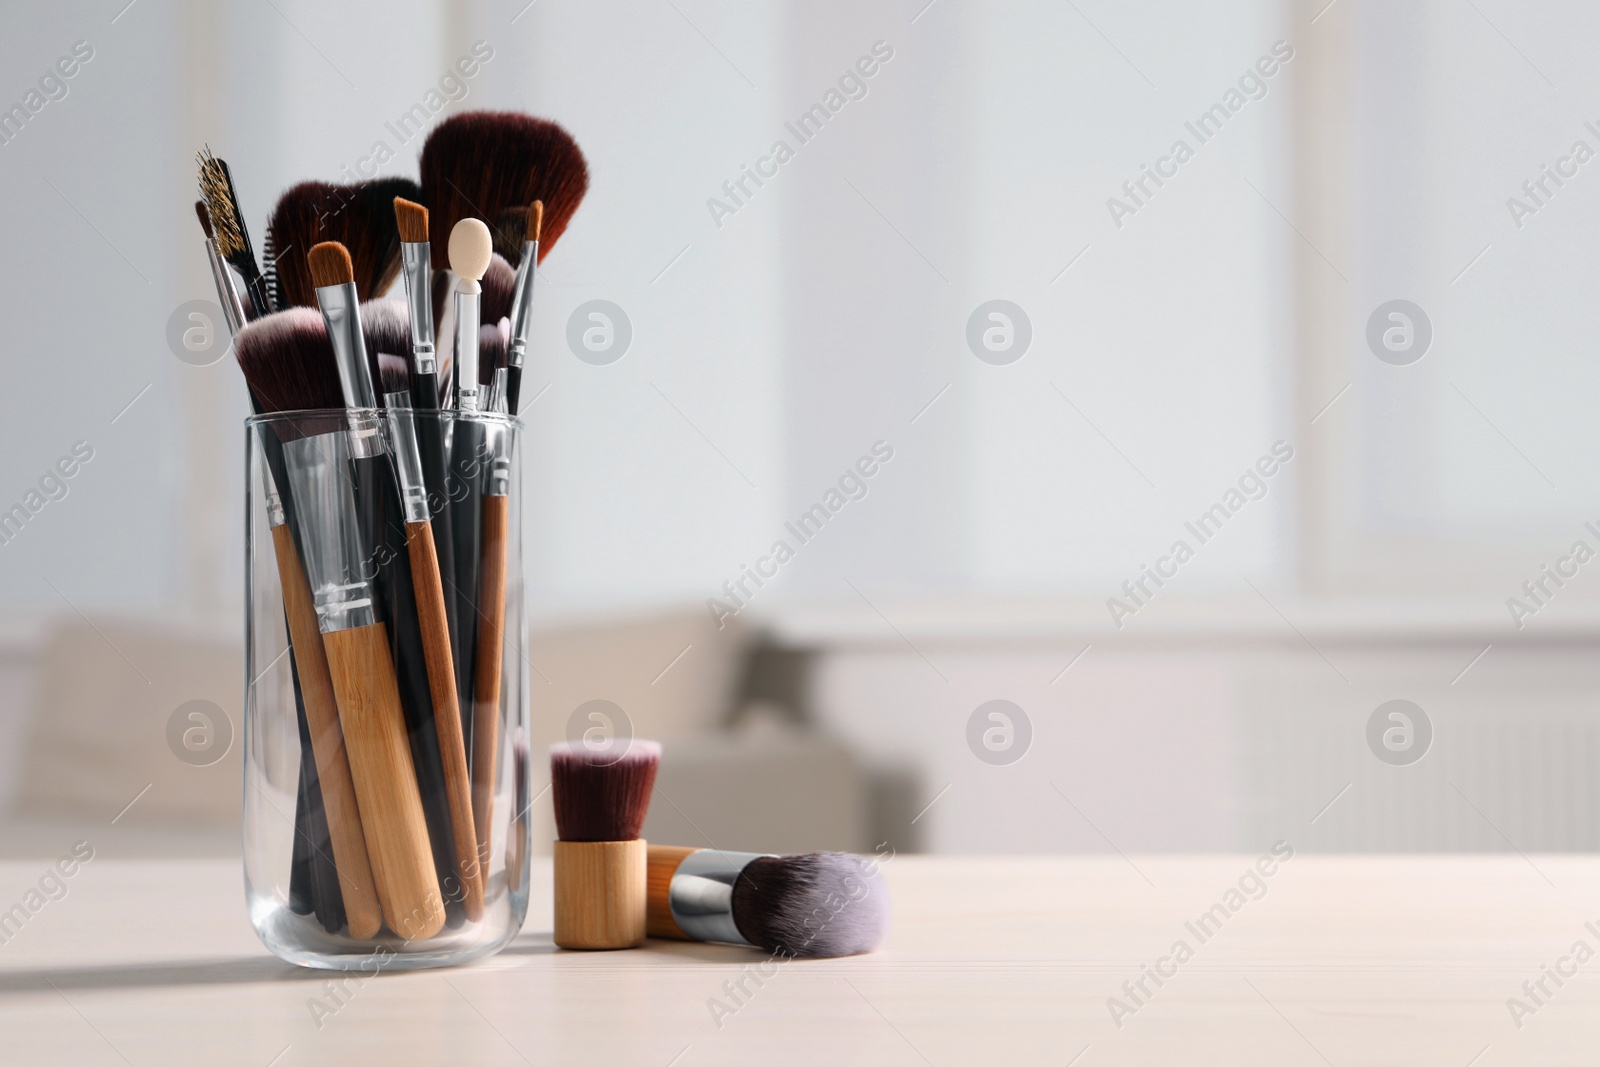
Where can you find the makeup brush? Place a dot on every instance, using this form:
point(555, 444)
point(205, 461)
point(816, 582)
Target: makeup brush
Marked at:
point(230, 233)
point(469, 257)
point(320, 452)
point(488, 163)
point(601, 797)
point(227, 293)
point(498, 286)
point(496, 531)
point(395, 376)
point(357, 216)
point(522, 306)
point(288, 365)
point(811, 906)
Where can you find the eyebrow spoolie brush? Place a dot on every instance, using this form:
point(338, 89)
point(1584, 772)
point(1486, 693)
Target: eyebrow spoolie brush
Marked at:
point(231, 235)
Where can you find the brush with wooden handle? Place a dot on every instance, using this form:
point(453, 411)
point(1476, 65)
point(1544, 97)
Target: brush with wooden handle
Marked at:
point(601, 796)
point(491, 634)
point(811, 906)
point(394, 375)
point(317, 453)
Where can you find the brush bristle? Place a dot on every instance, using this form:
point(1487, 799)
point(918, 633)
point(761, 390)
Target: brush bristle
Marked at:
point(330, 264)
point(411, 219)
point(386, 331)
point(492, 349)
point(288, 362)
point(499, 283)
point(507, 232)
point(204, 216)
point(778, 900)
point(535, 221)
point(357, 216)
point(482, 163)
point(216, 189)
point(394, 374)
point(602, 795)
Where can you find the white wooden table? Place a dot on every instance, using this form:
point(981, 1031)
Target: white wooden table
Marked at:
point(1343, 960)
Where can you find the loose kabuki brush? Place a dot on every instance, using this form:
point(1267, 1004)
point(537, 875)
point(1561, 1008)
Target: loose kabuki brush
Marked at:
point(343, 527)
point(601, 797)
point(808, 907)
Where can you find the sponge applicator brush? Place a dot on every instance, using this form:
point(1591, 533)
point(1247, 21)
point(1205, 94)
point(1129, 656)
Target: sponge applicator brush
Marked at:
point(601, 798)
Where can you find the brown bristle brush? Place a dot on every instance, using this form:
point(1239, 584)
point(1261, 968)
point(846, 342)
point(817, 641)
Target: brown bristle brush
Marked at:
point(601, 796)
point(288, 363)
point(229, 231)
point(308, 369)
point(490, 165)
point(384, 322)
point(357, 216)
point(810, 906)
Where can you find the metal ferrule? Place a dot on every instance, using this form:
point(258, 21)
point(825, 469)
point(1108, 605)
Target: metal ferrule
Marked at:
point(417, 270)
point(341, 311)
point(701, 895)
point(329, 542)
point(227, 291)
point(467, 310)
point(494, 394)
point(366, 438)
point(522, 303)
point(407, 456)
point(497, 476)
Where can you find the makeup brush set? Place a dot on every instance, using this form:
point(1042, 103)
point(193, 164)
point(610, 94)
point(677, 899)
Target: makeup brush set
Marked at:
point(387, 458)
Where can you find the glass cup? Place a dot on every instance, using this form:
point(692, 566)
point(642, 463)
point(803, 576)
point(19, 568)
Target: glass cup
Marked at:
point(385, 753)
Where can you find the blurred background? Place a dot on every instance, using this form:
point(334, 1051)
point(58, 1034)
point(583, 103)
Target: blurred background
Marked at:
point(1338, 345)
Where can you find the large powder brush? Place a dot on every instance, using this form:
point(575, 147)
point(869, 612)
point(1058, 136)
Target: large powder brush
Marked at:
point(809, 906)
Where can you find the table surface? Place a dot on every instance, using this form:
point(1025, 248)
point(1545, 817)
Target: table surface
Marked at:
point(1330, 960)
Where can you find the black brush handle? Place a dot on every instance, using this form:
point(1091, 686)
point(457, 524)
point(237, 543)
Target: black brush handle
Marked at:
point(433, 442)
point(300, 896)
point(513, 388)
point(397, 592)
point(465, 488)
point(327, 899)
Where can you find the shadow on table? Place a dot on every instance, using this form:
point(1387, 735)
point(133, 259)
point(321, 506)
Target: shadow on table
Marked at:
point(243, 970)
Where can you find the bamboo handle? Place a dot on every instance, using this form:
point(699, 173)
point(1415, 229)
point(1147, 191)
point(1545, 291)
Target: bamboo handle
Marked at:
point(663, 864)
point(600, 893)
point(446, 711)
point(385, 781)
point(356, 883)
point(486, 683)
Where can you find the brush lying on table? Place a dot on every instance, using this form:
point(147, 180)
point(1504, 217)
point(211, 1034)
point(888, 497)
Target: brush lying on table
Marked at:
point(810, 906)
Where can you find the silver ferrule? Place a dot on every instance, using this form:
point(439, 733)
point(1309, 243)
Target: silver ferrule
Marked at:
point(227, 291)
point(497, 477)
point(467, 308)
point(269, 489)
point(407, 456)
point(522, 303)
point(417, 270)
point(494, 394)
point(366, 438)
point(341, 311)
point(331, 545)
point(701, 895)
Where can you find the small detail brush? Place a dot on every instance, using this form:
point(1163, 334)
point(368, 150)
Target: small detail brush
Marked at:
point(810, 906)
point(601, 797)
point(395, 375)
point(522, 306)
point(231, 234)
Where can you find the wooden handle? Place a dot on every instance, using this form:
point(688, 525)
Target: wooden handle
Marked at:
point(446, 711)
point(486, 681)
point(356, 883)
point(385, 781)
point(663, 864)
point(600, 893)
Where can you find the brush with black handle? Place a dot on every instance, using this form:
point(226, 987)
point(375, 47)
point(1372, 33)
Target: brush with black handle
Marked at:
point(470, 250)
point(231, 235)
